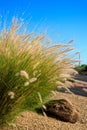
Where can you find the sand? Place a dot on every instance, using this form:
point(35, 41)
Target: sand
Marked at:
point(33, 121)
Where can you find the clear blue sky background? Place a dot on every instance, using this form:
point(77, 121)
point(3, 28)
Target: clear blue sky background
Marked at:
point(62, 19)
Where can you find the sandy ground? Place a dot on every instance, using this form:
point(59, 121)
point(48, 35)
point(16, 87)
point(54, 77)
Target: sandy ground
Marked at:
point(33, 121)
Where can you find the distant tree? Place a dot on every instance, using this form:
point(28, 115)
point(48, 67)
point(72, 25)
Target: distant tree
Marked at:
point(82, 68)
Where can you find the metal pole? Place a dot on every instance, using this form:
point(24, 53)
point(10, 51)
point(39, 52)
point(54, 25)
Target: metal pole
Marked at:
point(79, 59)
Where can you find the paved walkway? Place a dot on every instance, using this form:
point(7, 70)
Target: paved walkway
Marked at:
point(79, 87)
point(81, 77)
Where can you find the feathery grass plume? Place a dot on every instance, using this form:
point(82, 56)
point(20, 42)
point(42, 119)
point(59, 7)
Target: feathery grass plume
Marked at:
point(33, 80)
point(26, 83)
point(25, 61)
point(24, 74)
point(11, 94)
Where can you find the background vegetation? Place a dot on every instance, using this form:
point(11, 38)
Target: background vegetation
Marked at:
point(82, 69)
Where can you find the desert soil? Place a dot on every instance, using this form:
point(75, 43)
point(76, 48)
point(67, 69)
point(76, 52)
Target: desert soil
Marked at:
point(32, 121)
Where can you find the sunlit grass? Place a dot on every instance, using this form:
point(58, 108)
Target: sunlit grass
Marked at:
point(28, 67)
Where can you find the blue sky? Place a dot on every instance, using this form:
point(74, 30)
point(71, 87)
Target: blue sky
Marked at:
point(63, 20)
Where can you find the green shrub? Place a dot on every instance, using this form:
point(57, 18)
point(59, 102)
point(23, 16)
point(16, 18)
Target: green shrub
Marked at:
point(81, 69)
point(27, 67)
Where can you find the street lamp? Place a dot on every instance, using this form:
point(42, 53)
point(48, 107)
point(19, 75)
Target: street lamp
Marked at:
point(79, 57)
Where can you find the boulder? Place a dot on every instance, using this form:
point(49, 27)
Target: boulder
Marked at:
point(63, 110)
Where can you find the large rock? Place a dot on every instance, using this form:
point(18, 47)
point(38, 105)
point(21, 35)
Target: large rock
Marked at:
point(63, 110)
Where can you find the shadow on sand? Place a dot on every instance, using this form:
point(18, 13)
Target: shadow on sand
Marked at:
point(76, 90)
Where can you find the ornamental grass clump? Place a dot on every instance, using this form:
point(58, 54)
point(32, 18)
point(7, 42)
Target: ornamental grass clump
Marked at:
point(29, 67)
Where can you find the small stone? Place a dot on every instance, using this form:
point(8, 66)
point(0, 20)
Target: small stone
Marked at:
point(63, 110)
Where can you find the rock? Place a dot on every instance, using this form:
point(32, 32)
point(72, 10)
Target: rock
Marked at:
point(63, 110)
